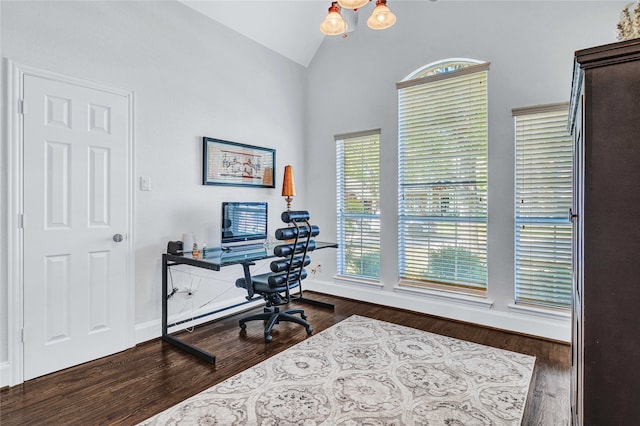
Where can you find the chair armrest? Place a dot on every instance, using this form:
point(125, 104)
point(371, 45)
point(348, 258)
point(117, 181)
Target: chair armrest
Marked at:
point(247, 279)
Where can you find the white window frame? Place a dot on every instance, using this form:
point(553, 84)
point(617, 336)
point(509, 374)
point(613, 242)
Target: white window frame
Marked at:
point(457, 230)
point(542, 195)
point(358, 254)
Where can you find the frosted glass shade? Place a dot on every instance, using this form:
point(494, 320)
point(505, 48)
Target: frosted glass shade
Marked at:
point(381, 18)
point(333, 24)
point(352, 4)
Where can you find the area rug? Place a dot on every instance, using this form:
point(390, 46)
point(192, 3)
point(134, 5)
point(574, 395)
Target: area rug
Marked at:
point(363, 371)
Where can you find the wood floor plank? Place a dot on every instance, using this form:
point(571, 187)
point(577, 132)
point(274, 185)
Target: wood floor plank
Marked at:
point(128, 387)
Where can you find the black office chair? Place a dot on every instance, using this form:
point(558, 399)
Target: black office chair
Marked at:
point(286, 274)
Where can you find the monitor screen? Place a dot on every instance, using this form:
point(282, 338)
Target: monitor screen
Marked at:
point(243, 221)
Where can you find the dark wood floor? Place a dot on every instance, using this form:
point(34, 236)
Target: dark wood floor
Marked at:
point(131, 386)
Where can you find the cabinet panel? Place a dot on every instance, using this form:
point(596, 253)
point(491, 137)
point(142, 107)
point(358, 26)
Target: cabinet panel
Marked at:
point(606, 331)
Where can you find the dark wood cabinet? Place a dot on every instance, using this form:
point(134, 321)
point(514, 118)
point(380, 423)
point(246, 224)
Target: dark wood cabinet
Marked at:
point(605, 123)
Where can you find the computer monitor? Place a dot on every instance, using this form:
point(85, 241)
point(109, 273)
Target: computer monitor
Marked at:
point(243, 223)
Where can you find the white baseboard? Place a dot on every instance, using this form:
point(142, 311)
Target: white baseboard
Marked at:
point(5, 372)
point(147, 331)
point(519, 322)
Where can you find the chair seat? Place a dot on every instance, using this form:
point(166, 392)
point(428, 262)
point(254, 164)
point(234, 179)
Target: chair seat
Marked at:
point(261, 284)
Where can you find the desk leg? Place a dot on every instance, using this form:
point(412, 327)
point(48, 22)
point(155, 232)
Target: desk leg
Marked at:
point(164, 295)
point(165, 335)
point(303, 299)
point(194, 350)
point(314, 302)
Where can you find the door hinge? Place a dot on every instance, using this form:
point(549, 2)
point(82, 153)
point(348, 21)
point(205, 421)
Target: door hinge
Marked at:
point(22, 335)
point(21, 221)
point(21, 106)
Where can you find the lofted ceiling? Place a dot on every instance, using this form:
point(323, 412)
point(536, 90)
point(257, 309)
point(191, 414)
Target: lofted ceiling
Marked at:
point(288, 27)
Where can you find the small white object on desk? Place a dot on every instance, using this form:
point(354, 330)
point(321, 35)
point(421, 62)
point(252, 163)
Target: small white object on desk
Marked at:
point(188, 238)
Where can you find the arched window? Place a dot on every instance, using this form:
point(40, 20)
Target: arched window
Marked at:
point(442, 153)
point(441, 67)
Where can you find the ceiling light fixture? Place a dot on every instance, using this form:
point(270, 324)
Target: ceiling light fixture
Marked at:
point(334, 24)
point(352, 4)
point(381, 18)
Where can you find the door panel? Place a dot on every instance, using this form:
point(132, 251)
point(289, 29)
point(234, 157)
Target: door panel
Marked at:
point(76, 184)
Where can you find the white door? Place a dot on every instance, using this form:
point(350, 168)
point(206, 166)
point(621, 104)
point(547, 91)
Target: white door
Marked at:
point(76, 156)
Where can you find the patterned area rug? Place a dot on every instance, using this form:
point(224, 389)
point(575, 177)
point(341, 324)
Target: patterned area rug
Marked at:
point(363, 371)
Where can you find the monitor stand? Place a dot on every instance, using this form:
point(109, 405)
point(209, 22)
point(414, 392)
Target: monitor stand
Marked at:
point(244, 246)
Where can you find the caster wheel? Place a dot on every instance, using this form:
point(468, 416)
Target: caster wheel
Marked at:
point(303, 316)
point(268, 338)
point(243, 326)
point(309, 331)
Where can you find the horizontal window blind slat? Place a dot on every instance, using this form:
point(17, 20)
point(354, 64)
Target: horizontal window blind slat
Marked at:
point(541, 109)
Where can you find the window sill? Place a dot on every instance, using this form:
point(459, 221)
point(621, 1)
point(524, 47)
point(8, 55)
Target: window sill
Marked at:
point(344, 279)
point(536, 311)
point(447, 296)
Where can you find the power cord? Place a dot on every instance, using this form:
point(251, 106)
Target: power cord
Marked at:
point(173, 291)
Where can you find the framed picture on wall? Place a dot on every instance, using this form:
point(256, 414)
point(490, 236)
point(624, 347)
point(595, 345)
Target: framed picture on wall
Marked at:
point(238, 164)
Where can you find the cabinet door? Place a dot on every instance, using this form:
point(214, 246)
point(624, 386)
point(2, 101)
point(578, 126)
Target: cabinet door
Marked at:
point(577, 254)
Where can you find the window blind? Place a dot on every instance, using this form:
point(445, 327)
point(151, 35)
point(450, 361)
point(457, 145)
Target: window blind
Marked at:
point(442, 142)
point(358, 202)
point(543, 197)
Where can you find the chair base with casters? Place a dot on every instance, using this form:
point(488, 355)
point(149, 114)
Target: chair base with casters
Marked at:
point(272, 313)
point(286, 274)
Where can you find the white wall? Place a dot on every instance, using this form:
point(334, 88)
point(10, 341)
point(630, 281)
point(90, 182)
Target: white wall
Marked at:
point(351, 87)
point(192, 77)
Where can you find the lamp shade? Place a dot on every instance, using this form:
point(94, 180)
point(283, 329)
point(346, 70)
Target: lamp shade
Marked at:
point(381, 18)
point(333, 24)
point(352, 4)
point(288, 187)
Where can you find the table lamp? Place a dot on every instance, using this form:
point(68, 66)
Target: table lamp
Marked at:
point(288, 187)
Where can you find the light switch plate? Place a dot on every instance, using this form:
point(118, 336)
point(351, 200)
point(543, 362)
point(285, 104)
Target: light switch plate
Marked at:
point(145, 183)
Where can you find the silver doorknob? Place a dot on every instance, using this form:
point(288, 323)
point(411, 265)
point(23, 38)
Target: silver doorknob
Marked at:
point(117, 238)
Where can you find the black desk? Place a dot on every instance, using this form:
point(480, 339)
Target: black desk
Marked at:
point(214, 260)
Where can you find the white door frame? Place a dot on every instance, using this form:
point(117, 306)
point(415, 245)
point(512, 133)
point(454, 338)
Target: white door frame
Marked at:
point(15, 210)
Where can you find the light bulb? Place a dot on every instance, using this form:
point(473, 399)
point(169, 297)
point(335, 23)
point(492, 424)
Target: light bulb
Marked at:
point(381, 18)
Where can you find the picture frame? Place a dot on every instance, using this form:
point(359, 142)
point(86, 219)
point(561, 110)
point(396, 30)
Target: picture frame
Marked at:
point(237, 164)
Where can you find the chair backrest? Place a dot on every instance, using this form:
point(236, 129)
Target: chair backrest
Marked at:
point(289, 271)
